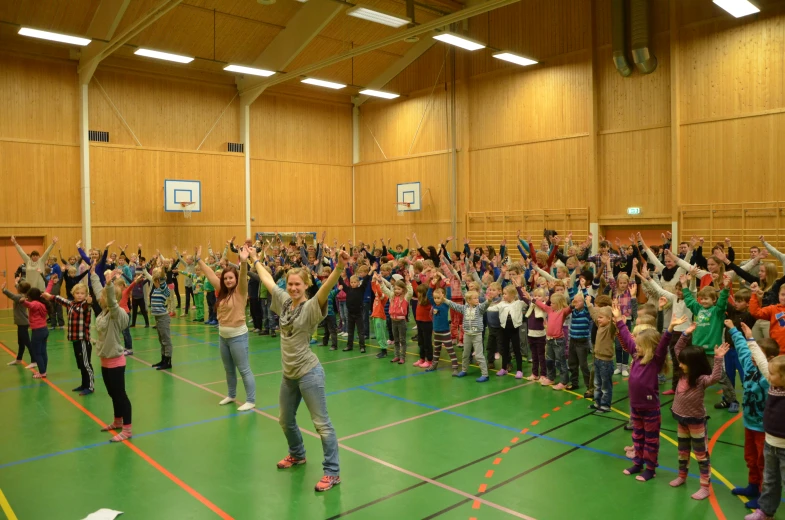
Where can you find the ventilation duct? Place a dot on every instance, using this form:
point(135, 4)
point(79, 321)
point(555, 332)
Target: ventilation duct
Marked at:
point(642, 54)
point(618, 30)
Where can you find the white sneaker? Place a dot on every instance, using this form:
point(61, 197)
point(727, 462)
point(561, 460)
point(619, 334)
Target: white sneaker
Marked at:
point(255, 330)
point(618, 369)
point(414, 328)
point(624, 371)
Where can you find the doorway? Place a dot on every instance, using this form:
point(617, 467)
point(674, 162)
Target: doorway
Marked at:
point(10, 261)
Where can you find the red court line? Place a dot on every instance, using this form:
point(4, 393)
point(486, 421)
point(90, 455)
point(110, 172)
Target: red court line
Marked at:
point(567, 403)
point(505, 449)
point(497, 460)
point(215, 509)
point(489, 473)
point(482, 488)
point(535, 423)
point(514, 440)
point(557, 409)
point(546, 415)
point(714, 438)
point(476, 504)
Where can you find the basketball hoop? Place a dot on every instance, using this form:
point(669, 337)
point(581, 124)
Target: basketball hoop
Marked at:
point(187, 209)
point(402, 207)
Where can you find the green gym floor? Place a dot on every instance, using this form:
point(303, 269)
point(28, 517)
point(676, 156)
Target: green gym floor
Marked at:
point(413, 445)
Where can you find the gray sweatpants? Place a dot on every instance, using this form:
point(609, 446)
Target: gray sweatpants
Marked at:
point(162, 326)
point(399, 337)
point(473, 343)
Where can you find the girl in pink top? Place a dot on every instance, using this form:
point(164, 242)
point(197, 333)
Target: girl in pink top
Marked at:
point(37, 314)
point(555, 343)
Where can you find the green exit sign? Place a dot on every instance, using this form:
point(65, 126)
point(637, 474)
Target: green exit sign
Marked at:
point(633, 211)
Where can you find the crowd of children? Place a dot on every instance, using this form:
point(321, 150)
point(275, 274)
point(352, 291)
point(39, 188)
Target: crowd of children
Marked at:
point(627, 308)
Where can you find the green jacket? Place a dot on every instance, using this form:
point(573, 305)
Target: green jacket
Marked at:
point(710, 322)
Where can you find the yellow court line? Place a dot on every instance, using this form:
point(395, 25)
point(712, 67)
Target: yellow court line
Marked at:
point(714, 472)
point(6, 507)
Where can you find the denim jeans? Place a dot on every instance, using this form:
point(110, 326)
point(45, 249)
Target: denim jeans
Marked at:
point(554, 359)
point(773, 472)
point(309, 388)
point(234, 354)
point(344, 312)
point(603, 382)
point(38, 339)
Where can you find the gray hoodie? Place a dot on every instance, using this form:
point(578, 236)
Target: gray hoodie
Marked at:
point(107, 333)
point(20, 311)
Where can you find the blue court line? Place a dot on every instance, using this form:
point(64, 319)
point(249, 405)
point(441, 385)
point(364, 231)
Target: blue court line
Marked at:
point(516, 430)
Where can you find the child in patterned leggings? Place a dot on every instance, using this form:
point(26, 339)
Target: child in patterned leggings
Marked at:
point(688, 409)
point(441, 327)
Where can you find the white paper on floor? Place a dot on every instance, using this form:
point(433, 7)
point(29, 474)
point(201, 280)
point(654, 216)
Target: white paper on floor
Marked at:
point(104, 514)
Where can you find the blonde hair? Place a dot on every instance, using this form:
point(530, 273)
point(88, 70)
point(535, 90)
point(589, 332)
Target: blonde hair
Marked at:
point(606, 312)
point(510, 289)
point(495, 285)
point(558, 302)
point(542, 258)
point(708, 292)
point(79, 287)
point(646, 342)
point(354, 278)
point(771, 275)
point(304, 275)
point(540, 292)
point(777, 366)
point(418, 267)
point(471, 294)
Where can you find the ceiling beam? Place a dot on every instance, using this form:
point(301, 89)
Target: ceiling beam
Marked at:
point(304, 26)
point(106, 19)
point(424, 28)
point(94, 53)
point(414, 52)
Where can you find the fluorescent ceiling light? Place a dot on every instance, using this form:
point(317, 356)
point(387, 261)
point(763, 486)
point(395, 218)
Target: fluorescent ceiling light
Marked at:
point(164, 56)
point(249, 70)
point(459, 41)
point(322, 83)
point(738, 8)
point(62, 38)
point(374, 15)
point(514, 58)
point(379, 93)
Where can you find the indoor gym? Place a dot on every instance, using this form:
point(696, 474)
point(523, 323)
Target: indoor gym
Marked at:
point(99, 143)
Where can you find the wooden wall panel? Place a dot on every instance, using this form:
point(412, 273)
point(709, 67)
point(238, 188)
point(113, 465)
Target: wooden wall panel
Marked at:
point(635, 171)
point(730, 69)
point(38, 99)
point(376, 197)
point(737, 160)
point(391, 129)
point(545, 175)
point(127, 187)
point(289, 196)
point(638, 101)
point(524, 105)
point(428, 69)
point(163, 112)
point(296, 129)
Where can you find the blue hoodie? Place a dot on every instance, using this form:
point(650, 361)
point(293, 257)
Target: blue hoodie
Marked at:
point(756, 387)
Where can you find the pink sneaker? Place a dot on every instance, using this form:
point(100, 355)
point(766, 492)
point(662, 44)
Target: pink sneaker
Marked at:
point(518, 375)
point(390, 342)
point(501, 372)
point(668, 392)
point(544, 381)
point(560, 386)
point(419, 363)
point(426, 364)
point(532, 378)
point(401, 361)
point(758, 515)
point(394, 360)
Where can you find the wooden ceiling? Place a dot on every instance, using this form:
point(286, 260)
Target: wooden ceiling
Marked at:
point(218, 32)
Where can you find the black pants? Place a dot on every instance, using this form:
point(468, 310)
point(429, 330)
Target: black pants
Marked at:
point(83, 352)
point(389, 329)
point(23, 338)
point(356, 320)
point(114, 379)
point(189, 293)
point(330, 331)
point(495, 338)
point(256, 313)
point(139, 305)
point(425, 339)
point(212, 316)
point(511, 338)
point(579, 358)
point(38, 348)
point(55, 313)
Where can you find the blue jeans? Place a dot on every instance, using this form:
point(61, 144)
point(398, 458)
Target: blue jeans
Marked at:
point(603, 382)
point(309, 388)
point(344, 312)
point(773, 472)
point(554, 359)
point(622, 356)
point(38, 339)
point(234, 354)
point(733, 365)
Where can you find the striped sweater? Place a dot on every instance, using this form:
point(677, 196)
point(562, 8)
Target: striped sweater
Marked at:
point(158, 297)
point(580, 327)
point(472, 315)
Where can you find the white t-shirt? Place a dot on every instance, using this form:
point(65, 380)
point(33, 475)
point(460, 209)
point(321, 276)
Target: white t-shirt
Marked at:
point(297, 327)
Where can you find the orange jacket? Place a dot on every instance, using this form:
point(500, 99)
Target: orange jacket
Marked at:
point(775, 314)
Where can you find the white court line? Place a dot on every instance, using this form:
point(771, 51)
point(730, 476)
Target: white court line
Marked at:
point(279, 371)
point(434, 412)
point(365, 455)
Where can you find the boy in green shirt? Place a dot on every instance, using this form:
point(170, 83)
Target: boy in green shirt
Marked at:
point(198, 282)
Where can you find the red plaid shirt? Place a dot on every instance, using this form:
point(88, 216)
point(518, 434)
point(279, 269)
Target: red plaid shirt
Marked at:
point(78, 318)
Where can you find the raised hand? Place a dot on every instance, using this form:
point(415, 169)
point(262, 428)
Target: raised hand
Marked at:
point(691, 328)
point(675, 322)
point(746, 330)
point(243, 253)
point(685, 280)
point(109, 244)
point(78, 244)
point(198, 253)
point(615, 310)
point(13, 240)
point(720, 351)
point(55, 240)
point(662, 302)
point(729, 324)
point(762, 239)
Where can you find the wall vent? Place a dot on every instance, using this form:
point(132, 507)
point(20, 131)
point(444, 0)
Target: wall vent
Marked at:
point(100, 137)
point(236, 147)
